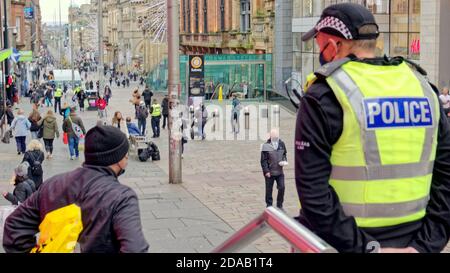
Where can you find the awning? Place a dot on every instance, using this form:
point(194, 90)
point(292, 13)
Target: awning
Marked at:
point(4, 54)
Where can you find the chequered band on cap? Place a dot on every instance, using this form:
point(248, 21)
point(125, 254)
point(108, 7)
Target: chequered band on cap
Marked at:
point(335, 23)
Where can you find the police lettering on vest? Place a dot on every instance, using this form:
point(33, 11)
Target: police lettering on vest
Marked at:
point(398, 113)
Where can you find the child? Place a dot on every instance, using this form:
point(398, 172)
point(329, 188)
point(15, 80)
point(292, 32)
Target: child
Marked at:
point(101, 104)
point(24, 187)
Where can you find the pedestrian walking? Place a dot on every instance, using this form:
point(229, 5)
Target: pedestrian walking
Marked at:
point(156, 118)
point(50, 127)
point(48, 97)
point(364, 174)
point(273, 158)
point(35, 118)
point(445, 100)
point(58, 95)
point(119, 121)
point(147, 94)
point(73, 126)
point(235, 115)
point(108, 94)
point(81, 99)
point(142, 115)
point(21, 127)
point(34, 100)
point(34, 156)
point(201, 116)
point(116, 219)
point(101, 106)
point(23, 186)
point(165, 110)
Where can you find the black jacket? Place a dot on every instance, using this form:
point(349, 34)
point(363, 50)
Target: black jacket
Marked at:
point(270, 158)
point(319, 126)
point(21, 192)
point(110, 212)
point(165, 107)
point(31, 157)
point(147, 94)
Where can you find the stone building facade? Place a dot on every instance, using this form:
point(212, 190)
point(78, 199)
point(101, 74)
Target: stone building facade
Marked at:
point(415, 29)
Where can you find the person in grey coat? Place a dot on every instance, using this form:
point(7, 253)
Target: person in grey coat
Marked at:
point(24, 187)
point(21, 127)
point(273, 159)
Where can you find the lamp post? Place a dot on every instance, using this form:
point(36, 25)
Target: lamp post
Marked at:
point(175, 135)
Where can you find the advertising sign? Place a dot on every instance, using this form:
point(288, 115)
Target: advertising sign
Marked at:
point(29, 13)
point(196, 76)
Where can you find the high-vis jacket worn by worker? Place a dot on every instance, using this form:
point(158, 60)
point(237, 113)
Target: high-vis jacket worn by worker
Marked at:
point(156, 110)
point(384, 159)
point(58, 93)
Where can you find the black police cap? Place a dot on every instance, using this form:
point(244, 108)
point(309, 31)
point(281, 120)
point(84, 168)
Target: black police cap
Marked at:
point(344, 20)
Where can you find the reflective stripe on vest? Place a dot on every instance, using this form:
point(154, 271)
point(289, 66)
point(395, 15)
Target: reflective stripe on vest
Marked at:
point(382, 174)
point(156, 110)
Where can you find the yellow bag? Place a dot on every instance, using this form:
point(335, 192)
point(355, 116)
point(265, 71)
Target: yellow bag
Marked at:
point(60, 230)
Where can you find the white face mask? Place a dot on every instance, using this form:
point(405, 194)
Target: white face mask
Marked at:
point(275, 139)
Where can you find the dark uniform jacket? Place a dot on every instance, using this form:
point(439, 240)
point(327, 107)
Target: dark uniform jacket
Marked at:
point(319, 126)
point(270, 158)
point(110, 212)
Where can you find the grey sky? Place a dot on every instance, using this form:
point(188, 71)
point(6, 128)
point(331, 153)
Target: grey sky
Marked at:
point(50, 9)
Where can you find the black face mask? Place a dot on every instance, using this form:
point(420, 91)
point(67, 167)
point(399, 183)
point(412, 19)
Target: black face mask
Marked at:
point(121, 172)
point(322, 57)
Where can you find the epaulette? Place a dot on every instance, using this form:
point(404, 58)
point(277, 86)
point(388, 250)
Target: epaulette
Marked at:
point(329, 68)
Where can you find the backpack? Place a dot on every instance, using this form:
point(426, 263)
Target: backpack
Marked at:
point(142, 112)
point(144, 154)
point(59, 231)
point(36, 166)
point(155, 151)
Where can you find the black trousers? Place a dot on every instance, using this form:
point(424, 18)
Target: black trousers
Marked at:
point(165, 117)
point(48, 145)
point(57, 105)
point(269, 188)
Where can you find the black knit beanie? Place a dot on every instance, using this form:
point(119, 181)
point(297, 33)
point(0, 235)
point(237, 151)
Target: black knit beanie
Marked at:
point(105, 146)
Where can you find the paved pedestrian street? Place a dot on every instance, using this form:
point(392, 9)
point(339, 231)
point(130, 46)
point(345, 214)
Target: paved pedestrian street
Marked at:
point(223, 186)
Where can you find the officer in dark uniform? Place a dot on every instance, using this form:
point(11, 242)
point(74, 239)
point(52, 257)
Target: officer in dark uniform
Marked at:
point(372, 145)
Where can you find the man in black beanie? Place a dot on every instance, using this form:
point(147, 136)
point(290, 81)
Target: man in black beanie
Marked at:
point(109, 211)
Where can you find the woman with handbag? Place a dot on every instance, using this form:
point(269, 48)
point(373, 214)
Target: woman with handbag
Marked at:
point(50, 131)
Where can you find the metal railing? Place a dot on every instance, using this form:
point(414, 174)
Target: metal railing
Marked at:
point(299, 237)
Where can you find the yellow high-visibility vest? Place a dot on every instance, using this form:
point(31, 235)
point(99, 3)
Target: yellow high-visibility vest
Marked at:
point(58, 93)
point(156, 110)
point(383, 162)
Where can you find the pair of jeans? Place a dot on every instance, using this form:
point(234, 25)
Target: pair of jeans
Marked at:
point(165, 117)
point(142, 125)
point(155, 126)
point(48, 145)
point(21, 144)
point(269, 188)
point(73, 146)
point(48, 102)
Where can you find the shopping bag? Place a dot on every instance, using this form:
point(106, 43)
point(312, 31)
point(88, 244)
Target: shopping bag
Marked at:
point(65, 139)
point(81, 144)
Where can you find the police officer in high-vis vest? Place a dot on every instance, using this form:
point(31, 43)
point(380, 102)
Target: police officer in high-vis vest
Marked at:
point(372, 144)
point(58, 94)
point(156, 118)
